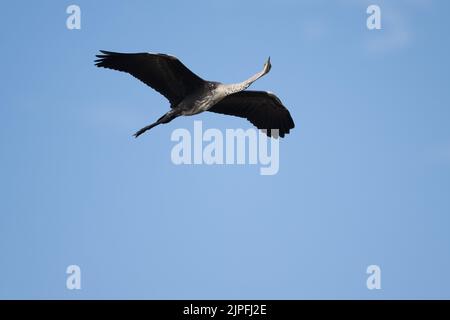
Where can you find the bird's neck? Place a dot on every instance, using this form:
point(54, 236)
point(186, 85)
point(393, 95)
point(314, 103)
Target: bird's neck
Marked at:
point(237, 87)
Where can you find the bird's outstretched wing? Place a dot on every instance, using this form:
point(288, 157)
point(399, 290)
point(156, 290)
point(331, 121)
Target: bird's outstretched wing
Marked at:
point(164, 73)
point(263, 109)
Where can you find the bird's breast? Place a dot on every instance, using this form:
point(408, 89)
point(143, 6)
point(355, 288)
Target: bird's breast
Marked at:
point(198, 104)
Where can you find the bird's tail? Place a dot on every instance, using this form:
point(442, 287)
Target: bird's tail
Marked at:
point(169, 116)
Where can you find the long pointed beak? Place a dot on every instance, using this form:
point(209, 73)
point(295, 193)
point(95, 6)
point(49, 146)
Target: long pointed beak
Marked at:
point(268, 66)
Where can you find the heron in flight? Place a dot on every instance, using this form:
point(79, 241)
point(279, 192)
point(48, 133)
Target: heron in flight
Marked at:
point(189, 94)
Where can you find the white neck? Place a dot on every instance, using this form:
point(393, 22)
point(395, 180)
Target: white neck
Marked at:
point(237, 87)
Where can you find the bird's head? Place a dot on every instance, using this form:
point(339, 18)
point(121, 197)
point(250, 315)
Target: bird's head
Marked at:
point(267, 66)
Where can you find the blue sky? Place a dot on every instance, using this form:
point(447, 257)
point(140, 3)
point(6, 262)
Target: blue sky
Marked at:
point(364, 177)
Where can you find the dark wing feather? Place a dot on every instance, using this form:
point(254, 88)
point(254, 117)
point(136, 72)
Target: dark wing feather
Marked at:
point(164, 73)
point(262, 109)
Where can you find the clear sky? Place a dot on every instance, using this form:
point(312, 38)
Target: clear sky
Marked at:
point(364, 177)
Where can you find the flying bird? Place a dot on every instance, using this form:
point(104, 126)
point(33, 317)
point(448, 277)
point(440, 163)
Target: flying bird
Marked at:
point(189, 94)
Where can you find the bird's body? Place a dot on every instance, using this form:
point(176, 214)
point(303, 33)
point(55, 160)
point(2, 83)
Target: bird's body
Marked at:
point(188, 94)
point(203, 99)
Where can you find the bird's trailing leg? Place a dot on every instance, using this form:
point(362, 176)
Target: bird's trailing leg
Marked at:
point(169, 116)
